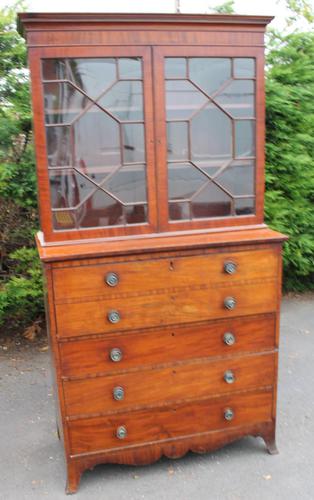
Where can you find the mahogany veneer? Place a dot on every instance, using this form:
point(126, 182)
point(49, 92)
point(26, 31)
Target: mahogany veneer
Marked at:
point(163, 283)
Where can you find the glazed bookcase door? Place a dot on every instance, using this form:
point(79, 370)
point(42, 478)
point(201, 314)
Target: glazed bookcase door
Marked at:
point(209, 116)
point(95, 154)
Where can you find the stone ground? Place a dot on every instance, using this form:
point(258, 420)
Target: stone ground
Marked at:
point(31, 460)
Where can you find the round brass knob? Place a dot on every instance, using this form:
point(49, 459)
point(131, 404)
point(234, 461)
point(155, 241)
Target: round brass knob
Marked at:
point(121, 432)
point(230, 303)
point(113, 317)
point(118, 393)
point(228, 414)
point(229, 338)
point(115, 354)
point(112, 279)
point(229, 377)
point(230, 267)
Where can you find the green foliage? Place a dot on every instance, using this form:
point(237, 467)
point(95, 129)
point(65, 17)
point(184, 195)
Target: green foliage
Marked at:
point(21, 296)
point(224, 8)
point(290, 153)
point(300, 8)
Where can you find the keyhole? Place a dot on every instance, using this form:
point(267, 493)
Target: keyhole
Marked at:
point(171, 265)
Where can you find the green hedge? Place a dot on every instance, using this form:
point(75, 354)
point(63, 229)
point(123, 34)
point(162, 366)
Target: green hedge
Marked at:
point(290, 154)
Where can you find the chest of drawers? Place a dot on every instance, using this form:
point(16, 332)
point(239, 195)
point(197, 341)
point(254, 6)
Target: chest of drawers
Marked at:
point(188, 361)
point(162, 280)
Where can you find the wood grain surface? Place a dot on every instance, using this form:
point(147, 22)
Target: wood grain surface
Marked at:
point(155, 347)
point(88, 281)
point(160, 386)
point(165, 424)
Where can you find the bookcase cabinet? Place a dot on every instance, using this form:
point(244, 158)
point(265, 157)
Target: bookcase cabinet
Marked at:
point(163, 283)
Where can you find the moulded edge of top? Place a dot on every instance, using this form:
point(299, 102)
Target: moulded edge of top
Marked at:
point(28, 19)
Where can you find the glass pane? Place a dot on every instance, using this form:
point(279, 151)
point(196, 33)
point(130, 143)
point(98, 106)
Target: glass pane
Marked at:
point(100, 210)
point(63, 219)
point(58, 146)
point(93, 76)
point(179, 211)
point(244, 67)
point(211, 136)
point(133, 142)
point(68, 188)
point(245, 206)
point(211, 202)
point(130, 67)
point(238, 98)
point(54, 69)
point(128, 184)
point(183, 180)
point(135, 214)
point(209, 73)
point(238, 178)
point(124, 100)
point(182, 99)
point(63, 102)
point(177, 135)
point(96, 143)
point(175, 67)
point(245, 138)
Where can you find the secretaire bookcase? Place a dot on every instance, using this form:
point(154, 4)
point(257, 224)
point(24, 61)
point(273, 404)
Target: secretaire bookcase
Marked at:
point(163, 283)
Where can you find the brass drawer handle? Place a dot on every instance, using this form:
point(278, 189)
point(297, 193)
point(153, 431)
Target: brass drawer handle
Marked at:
point(229, 414)
point(112, 279)
point(121, 432)
point(229, 377)
point(118, 393)
point(114, 316)
point(229, 338)
point(230, 267)
point(230, 303)
point(116, 354)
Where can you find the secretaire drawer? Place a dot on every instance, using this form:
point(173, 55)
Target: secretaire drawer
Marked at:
point(162, 385)
point(142, 276)
point(129, 429)
point(131, 350)
point(177, 306)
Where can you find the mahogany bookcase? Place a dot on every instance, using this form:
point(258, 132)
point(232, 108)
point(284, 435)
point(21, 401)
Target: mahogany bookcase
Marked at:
point(163, 283)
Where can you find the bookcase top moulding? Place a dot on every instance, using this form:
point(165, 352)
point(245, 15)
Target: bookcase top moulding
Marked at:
point(147, 124)
point(27, 19)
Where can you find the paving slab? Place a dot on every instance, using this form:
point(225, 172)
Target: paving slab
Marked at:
point(31, 458)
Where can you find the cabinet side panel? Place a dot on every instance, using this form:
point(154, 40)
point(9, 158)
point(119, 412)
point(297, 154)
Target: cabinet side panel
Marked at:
point(55, 359)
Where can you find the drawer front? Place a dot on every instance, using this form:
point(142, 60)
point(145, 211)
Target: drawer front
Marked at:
point(155, 310)
point(127, 351)
point(161, 386)
point(101, 434)
point(156, 274)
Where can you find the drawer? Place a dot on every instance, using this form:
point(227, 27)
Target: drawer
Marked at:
point(83, 357)
point(164, 424)
point(157, 310)
point(163, 385)
point(157, 274)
